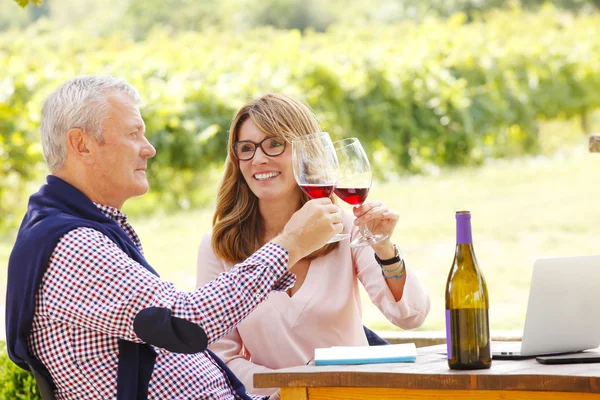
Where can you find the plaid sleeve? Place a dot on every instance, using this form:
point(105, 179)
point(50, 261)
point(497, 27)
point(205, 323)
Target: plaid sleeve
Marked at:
point(258, 397)
point(92, 283)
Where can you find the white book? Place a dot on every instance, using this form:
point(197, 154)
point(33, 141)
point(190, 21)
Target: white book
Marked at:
point(345, 355)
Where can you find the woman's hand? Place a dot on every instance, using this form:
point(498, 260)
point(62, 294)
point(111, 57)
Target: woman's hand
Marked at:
point(379, 219)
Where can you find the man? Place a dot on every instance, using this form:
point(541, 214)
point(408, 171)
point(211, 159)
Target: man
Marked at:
point(84, 308)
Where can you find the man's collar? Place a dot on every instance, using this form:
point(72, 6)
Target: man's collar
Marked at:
point(111, 212)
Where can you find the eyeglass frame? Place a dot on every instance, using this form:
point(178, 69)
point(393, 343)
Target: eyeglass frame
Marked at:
point(256, 146)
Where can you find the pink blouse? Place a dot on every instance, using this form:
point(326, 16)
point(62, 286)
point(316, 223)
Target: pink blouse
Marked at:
point(326, 311)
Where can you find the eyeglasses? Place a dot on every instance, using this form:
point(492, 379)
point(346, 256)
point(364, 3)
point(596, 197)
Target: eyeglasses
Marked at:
point(245, 150)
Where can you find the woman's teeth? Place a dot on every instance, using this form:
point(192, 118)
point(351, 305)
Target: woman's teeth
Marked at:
point(269, 175)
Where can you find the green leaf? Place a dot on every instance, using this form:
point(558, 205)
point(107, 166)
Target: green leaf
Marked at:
point(24, 3)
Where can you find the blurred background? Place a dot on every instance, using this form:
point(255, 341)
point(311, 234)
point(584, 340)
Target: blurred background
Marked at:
point(483, 105)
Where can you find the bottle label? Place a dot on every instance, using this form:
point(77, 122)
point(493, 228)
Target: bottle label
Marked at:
point(448, 335)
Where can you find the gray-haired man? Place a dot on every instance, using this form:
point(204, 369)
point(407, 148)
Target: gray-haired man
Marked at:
point(84, 307)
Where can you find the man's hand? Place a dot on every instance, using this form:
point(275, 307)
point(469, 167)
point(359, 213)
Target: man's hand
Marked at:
point(310, 228)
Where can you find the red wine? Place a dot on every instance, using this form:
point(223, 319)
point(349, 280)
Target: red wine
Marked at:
point(317, 191)
point(354, 196)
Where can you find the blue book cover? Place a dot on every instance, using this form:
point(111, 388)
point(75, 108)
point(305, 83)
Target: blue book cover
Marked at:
point(348, 355)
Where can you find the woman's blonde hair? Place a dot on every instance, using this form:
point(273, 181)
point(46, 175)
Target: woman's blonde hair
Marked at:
point(238, 227)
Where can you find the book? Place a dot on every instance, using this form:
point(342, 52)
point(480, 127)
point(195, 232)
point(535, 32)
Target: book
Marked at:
point(347, 355)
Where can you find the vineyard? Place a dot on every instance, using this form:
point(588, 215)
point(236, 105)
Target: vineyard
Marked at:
point(443, 92)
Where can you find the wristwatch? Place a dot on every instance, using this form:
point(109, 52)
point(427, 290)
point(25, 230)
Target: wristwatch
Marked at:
point(397, 258)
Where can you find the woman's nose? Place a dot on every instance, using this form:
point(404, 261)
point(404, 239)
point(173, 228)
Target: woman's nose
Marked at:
point(259, 156)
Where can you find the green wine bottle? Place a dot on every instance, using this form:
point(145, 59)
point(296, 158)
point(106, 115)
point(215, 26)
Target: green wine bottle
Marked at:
point(467, 304)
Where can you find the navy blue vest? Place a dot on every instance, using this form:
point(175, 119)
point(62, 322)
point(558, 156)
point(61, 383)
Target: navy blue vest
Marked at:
point(55, 210)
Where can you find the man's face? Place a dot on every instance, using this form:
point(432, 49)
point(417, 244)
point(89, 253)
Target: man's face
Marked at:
point(120, 162)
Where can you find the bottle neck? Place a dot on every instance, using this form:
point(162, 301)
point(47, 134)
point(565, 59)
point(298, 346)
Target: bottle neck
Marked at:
point(463, 231)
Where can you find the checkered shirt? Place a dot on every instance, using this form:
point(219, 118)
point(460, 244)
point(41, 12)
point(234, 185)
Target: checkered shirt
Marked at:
point(91, 292)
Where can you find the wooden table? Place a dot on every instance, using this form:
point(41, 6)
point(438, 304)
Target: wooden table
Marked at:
point(430, 378)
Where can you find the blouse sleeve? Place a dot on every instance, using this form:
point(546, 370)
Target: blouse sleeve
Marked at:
point(407, 313)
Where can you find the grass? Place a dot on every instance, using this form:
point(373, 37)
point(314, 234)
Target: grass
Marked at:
point(521, 209)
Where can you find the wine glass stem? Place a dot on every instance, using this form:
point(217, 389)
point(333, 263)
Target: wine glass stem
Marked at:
point(365, 231)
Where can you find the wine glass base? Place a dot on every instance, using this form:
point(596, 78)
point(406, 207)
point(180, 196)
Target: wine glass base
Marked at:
point(338, 236)
point(364, 241)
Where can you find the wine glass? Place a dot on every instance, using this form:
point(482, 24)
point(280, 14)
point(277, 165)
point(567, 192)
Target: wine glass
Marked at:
point(354, 182)
point(316, 168)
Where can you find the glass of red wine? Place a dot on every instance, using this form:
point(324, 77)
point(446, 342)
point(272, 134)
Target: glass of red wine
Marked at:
point(353, 183)
point(316, 168)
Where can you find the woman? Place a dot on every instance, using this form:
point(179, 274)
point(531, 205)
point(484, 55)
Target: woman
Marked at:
point(256, 198)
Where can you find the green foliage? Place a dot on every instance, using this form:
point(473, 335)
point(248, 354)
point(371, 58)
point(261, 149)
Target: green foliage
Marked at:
point(24, 3)
point(138, 18)
point(417, 95)
point(15, 383)
point(566, 4)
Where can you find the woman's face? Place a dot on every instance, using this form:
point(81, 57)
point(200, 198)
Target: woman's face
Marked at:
point(269, 178)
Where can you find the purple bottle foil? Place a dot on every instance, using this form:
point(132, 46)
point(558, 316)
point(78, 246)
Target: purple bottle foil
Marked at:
point(463, 229)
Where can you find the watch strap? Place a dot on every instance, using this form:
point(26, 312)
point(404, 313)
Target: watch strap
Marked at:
point(396, 259)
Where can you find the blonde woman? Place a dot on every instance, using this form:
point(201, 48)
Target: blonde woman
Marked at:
point(256, 198)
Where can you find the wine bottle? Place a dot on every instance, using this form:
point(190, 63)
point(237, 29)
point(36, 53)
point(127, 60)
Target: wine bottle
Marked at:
point(467, 304)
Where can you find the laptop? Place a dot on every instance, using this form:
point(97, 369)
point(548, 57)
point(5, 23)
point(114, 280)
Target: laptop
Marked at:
point(563, 311)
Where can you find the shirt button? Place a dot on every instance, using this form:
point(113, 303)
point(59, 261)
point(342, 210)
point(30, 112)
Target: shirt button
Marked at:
point(257, 296)
point(115, 213)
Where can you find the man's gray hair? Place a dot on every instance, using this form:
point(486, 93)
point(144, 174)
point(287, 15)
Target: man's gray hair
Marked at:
point(78, 103)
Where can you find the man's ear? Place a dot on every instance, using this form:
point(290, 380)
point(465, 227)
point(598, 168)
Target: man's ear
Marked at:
point(78, 145)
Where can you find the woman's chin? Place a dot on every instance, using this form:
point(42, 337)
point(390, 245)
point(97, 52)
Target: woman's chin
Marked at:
point(275, 195)
point(266, 196)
